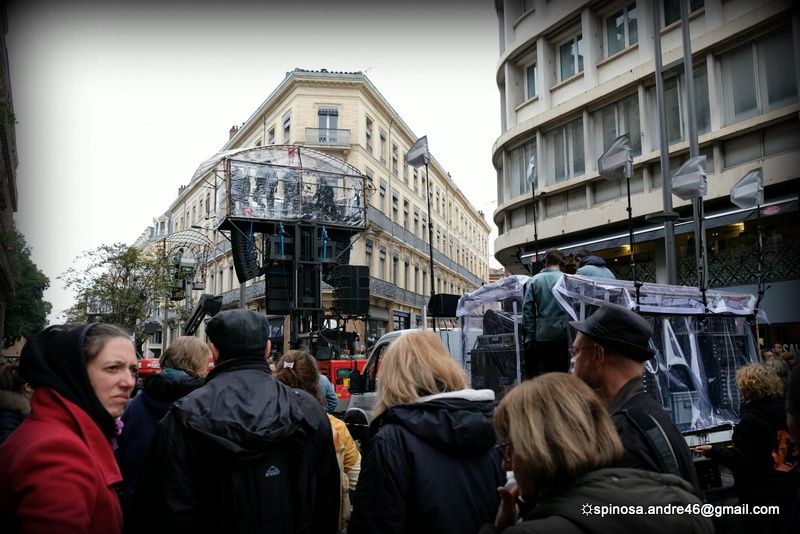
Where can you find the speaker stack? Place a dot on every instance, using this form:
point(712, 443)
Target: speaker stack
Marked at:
point(351, 289)
point(245, 258)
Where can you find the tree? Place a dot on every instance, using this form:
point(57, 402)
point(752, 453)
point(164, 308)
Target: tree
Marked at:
point(27, 310)
point(119, 285)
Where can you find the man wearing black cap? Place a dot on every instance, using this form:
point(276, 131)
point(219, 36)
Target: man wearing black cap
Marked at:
point(244, 452)
point(608, 353)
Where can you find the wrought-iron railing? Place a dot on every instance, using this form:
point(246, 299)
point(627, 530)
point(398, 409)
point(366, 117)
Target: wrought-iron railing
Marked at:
point(327, 137)
point(739, 268)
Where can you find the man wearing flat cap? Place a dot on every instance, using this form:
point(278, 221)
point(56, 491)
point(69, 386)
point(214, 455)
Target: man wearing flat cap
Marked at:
point(608, 353)
point(244, 452)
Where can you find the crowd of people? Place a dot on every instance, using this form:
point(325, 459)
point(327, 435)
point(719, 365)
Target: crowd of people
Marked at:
point(249, 446)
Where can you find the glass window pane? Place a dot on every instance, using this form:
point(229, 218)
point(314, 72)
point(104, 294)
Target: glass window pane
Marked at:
point(702, 112)
point(555, 205)
point(576, 199)
point(605, 191)
point(633, 26)
point(559, 155)
point(580, 52)
point(567, 58)
point(782, 137)
point(672, 11)
point(530, 152)
point(577, 147)
point(673, 111)
point(615, 32)
point(739, 84)
point(609, 120)
point(514, 174)
point(694, 5)
point(518, 217)
point(630, 123)
point(779, 69)
point(742, 149)
point(637, 182)
point(530, 72)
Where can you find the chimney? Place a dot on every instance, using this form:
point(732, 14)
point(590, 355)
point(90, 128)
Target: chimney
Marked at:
point(233, 131)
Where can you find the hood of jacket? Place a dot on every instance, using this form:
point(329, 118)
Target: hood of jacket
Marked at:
point(596, 261)
point(14, 402)
point(243, 409)
point(160, 390)
point(623, 487)
point(458, 421)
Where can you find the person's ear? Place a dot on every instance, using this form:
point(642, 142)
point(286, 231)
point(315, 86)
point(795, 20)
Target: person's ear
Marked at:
point(599, 356)
point(214, 352)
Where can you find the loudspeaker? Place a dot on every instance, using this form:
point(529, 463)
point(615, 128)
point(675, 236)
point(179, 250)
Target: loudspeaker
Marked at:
point(245, 259)
point(443, 305)
point(279, 288)
point(493, 363)
point(351, 289)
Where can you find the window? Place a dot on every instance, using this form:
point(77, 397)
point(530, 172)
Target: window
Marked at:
point(672, 9)
point(519, 163)
point(565, 151)
point(758, 77)
point(328, 118)
point(605, 190)
point(675, 106)
point(570, 57)
point(406, 272)
point(395, 267)
point(208, 204)
point(530, 81)
point(383, 147)
point(394, 159)
point(395, 206)
point(416, 278)
point(416, 181)
point(527, 5)
point(621, 30)
point(369, 135)
point(416, 220)
point(616, 119)
point(776, 139)
point(368, 251)
point(382, 264)
point(405, 215)
point(258, 142)
point(271, 136)
point(382, 190)
point(287, 128)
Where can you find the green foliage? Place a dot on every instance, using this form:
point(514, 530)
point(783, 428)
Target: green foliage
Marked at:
point(27, 310)
point(117, 284)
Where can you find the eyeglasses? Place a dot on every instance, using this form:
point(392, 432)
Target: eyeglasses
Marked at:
point(506, 449)
point(575, 351)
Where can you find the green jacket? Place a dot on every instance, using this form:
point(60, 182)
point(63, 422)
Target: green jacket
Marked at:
point(542, 316)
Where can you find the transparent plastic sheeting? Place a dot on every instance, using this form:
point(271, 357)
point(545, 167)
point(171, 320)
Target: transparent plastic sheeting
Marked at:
point(491, 333)
point(698, 352)
point(288, 183)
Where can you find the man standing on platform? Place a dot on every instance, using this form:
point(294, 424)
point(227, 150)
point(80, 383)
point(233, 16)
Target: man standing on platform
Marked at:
point(545, 322)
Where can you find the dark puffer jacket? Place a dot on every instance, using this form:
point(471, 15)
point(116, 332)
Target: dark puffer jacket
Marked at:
point(140, 419)
point(594, 267)
point(14, 408)
point(431, 467)
point(577, 509)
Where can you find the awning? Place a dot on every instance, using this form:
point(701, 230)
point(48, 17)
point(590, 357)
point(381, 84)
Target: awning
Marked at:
point(651, 232)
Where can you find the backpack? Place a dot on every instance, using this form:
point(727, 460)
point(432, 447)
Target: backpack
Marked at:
point(257, 491)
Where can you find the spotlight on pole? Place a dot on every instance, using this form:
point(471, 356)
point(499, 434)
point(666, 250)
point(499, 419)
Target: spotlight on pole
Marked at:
point(689, 183)
point(533, 265)
point(614, 165)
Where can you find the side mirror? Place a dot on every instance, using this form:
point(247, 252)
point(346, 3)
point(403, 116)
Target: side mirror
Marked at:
point(356, 382)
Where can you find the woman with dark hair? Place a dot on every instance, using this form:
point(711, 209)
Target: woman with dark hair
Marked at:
point(298, 369)
point(57, 470)
point(184, 366)
point(15, 399)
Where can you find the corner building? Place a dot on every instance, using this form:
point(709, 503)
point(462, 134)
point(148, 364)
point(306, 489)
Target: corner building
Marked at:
point(344, 115)
point(574, 75)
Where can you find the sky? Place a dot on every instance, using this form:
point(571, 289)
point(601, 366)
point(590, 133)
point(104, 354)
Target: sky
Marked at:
point(117, 103)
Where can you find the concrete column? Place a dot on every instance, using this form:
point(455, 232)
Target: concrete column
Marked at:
point(546, 63)
point(645, 28)
point(645, 120)
point(593, 46)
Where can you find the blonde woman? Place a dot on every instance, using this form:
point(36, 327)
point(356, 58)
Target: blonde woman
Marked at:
point(184, 366)
point(432, 465)
point(764, 459)
point(561, 444)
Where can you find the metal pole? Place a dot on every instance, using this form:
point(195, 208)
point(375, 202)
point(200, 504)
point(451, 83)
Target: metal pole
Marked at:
point(535, 229)
point(759, 277)
point(516, 342)
point(669, 229)
point(694, 149)
point(430, 235)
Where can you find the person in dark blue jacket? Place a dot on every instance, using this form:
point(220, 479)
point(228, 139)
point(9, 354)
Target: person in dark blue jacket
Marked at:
point(431, 464)
point(183, 367)
point(15, 399)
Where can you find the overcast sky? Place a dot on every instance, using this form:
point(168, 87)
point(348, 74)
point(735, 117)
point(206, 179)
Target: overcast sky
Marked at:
point(117, 103)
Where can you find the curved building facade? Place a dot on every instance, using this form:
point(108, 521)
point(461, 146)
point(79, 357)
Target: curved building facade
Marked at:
point(573, 75)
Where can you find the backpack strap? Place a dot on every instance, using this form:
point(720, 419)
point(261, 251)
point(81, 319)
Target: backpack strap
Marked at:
point(656, 438)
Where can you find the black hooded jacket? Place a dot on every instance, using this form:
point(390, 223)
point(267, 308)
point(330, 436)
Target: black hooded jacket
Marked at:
point(431, 466)
point(243, 453)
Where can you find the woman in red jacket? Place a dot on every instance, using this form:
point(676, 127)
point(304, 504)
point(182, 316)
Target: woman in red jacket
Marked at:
point(57, 470)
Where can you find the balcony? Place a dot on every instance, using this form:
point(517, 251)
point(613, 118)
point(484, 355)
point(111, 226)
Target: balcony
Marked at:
point(327, 137)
